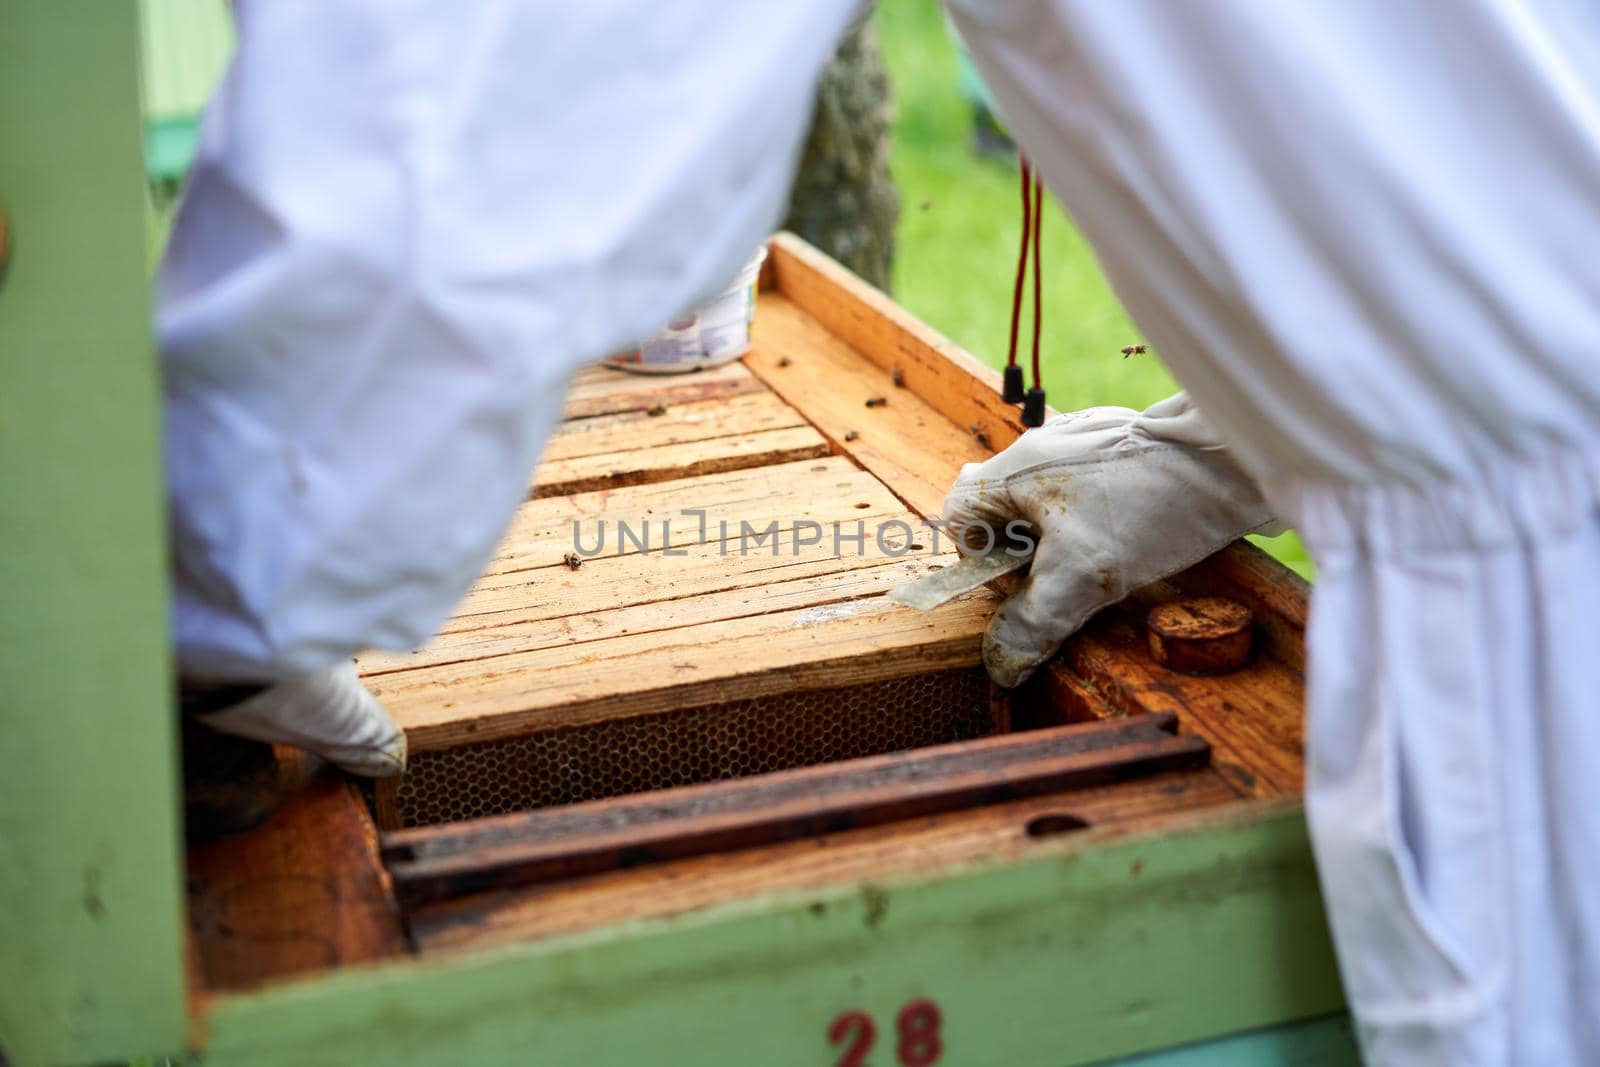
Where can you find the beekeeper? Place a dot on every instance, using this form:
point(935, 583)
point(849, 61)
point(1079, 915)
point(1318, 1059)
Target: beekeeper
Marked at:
point(406, 226)
point(1363, 235)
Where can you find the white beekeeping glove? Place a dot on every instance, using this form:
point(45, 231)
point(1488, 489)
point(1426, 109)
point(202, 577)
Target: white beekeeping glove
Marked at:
point(328, 712)
point(1116, 499)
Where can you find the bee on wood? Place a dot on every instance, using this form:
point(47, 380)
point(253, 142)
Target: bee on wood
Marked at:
point(898, 376)
point(980, 436)
point(1134, 350)
point(656, 409)
point(784, 361)
point(877, 401)
point(572, 560)
point(851, 435)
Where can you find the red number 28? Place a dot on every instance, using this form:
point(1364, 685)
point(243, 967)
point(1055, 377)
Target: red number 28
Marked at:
point(917, 1025)
point(866, 1033)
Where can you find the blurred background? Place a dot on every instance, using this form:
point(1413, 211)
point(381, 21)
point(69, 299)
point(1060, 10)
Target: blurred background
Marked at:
point(907, 177)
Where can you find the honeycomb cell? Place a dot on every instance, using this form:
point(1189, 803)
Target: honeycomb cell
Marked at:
point(693, 745)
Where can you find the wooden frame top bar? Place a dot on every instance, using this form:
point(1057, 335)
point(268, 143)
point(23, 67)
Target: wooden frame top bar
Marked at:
point(695, 604)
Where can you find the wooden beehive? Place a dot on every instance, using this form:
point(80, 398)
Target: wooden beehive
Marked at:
point(751, 517)
point(663, 727)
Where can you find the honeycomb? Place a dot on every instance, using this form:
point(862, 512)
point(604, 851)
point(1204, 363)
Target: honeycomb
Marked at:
point(703, 744)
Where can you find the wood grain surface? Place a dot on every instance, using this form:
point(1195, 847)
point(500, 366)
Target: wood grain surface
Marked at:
point(430, 863)
point(303, 893)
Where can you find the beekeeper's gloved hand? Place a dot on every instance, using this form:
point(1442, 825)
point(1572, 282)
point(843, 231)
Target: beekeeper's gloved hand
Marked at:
point(1116, 499)
point(328, 712)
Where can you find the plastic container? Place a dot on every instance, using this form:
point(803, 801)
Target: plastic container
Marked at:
point(716, 333)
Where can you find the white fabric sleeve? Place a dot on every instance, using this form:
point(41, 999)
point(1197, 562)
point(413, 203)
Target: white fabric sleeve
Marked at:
point(1360, 234)
point(407, 225)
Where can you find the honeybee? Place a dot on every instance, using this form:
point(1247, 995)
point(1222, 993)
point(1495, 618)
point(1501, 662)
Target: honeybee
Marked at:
point(572, 560)
point(1134, 350)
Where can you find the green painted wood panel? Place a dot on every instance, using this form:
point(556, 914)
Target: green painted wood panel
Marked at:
point(90, 933)
point(1096, 948)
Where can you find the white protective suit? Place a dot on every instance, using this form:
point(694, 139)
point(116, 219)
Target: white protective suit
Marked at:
point(408, 224)
point(1366, 237)
point(1364, 234)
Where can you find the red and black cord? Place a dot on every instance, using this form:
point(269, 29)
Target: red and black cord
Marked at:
point(1032, 400)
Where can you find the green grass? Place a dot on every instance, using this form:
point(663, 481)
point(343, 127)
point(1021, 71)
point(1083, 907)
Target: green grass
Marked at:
point(960, 223)
point(956, 244)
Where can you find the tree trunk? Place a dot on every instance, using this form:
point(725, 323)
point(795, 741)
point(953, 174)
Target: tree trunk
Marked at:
point(844, 200)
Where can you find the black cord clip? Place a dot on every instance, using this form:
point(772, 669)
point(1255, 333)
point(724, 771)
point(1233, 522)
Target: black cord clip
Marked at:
point(1033, 408)
point(1013, 391)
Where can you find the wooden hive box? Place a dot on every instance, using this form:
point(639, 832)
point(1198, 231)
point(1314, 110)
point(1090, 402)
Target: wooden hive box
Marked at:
point(744, 524)
point(674, 726)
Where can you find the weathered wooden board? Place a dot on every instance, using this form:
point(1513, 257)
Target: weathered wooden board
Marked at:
point(685, 459)
point(867, 856)
point(901, 438)
point(538, 644)
point(638, 430)
point(605, 582)
point(303, 893)
point(855, 578)
point(431, 863)
point(603, 391)
point(709, 663)
point(681, 513)
point(1252, 717)
point(725, 586)
point(882, 333)
point(663, 442)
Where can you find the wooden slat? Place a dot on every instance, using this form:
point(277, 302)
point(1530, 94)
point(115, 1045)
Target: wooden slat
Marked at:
point(992, 834)
point(604, 583)
point(602, 391)
point(630, 593)
point(633, 431)
point(859, 641)
point(1253, 717)
point(507, 636)
point(594, 372)
point(303, 893)
point(905, 441)
point(435, 862)
point(541, 531)
point(935, 369)
point(563, 477)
